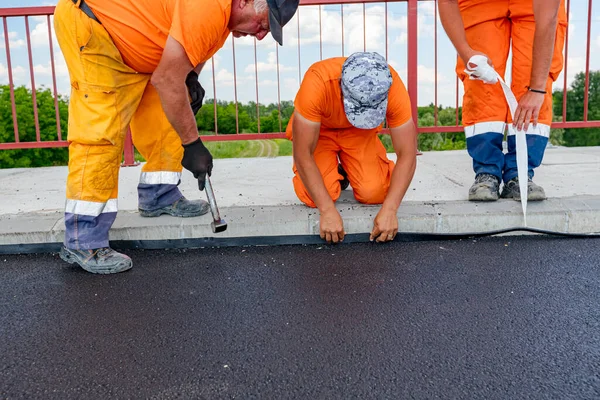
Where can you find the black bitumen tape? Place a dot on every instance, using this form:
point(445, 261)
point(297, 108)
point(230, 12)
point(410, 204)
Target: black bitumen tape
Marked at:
point(279, 240)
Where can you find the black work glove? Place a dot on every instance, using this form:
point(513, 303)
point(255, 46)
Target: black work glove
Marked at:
point(195, 90)
point(198, 160)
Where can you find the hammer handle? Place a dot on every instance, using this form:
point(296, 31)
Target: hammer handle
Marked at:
point(211, 199)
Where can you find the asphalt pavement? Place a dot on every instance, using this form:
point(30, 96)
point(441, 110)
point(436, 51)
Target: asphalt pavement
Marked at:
point(494, 318)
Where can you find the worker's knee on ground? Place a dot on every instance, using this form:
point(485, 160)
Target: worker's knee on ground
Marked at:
point(332, 185)
point(371, 193)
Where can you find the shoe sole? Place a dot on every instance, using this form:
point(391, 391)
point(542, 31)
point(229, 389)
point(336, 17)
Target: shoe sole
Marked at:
point(480, 197)
point(69, 258)
point(530, 198)
point(159, 212)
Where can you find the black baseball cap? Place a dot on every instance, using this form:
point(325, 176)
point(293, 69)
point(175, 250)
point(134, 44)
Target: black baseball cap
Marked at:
point(280, 13)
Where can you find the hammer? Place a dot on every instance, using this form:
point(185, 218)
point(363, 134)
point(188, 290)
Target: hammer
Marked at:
point(218, 224)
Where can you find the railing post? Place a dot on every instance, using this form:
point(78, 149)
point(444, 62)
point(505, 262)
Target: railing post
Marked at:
point(412, 59)
point(129, 153)
point(413, 62)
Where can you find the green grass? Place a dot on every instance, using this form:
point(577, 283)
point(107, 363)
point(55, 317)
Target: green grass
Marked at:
point(285, 147)
point(244, 149)
point(230, 149)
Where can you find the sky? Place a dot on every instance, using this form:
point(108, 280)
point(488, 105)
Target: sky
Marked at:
point(297, 54)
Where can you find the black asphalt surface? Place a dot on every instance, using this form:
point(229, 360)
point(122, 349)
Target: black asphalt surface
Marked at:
point(495, 318)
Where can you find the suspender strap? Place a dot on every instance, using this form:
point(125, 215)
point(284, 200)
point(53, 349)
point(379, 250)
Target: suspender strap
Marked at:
point(86, 10)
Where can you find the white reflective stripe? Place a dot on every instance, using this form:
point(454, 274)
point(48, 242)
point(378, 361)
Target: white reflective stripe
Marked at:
point(540, 129)
point(160, 177)
point(90, 208)
point(484, 127)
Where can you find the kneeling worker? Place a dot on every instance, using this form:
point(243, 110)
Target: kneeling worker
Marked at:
point(339, 110)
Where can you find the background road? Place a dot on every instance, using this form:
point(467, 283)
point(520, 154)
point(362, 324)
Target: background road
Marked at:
point(498, 318)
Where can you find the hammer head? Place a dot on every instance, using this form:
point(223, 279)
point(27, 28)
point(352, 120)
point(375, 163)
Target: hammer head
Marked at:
point(218, 225)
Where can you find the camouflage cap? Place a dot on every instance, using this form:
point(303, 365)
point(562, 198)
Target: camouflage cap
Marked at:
point(366, 81)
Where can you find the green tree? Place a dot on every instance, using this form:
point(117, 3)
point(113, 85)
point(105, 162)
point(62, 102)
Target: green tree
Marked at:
point(23, 158)
point(575, 103)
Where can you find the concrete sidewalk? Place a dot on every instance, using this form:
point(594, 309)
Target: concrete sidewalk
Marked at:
point(256, 198)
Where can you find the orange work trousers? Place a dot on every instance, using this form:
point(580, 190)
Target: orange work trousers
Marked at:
point(361, 154)
point(490, 27)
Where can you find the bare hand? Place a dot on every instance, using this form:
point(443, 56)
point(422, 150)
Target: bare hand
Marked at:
point(385, 226)
point(332, 226)
point(528, 110)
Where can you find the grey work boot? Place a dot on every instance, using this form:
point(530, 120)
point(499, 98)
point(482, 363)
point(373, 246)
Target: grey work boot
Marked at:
point(181, 208)
point(485, 188)
point(511, 191)
point(344, 182)
point(98, 261)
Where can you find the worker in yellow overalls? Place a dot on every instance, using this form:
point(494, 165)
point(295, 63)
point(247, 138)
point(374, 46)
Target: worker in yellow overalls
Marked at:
point(135, 64)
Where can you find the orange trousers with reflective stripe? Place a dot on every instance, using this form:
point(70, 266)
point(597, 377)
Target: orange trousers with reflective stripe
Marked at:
point(107, 97)
point(362, 156)
point(490, 27)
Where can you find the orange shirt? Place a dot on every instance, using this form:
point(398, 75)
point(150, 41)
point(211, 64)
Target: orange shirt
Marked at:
point(319, 98)
point(139, 28)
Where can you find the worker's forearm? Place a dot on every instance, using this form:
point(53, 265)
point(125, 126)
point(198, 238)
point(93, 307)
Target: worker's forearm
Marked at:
point(400, 181)
point(313, 181)
point(454, 27)
point(543, 50)
point(176, 105)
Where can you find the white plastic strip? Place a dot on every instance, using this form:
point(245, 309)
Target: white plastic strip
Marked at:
point(540, 130)
point(160, 177)
point(90, 208)
point(483, 71)
point(484, 127)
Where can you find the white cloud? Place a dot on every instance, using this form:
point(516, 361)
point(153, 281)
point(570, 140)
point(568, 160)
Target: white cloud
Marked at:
point(425, 75)
point(39, 35)
point(14, 42)
point(60, 67)
point(290, 85)
point(224, 78)
point(575, 65)
point(401, 39)
point(328, 28)
point(19, 74)
point(571, 29)
point(269, 66)
point(426, 8)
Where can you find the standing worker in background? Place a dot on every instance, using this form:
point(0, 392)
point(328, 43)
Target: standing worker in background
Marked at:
point(135, 63)
point(339, 110)
point(536, 29)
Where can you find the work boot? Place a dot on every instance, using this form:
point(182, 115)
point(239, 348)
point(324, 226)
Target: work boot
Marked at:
point(181, 208)
point(511, 191)
point(344, 182)
point(98, 261)
point(485, 188)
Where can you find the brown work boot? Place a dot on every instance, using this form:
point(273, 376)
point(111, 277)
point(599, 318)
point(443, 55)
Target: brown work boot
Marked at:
point(98, 261)
point(181, 208)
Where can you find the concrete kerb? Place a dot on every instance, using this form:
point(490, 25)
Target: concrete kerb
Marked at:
point(272, 225)
point(257, 200)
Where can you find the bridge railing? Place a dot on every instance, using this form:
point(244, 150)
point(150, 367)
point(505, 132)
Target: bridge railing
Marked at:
point(404, 31)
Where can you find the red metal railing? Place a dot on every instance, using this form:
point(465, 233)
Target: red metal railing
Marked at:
point(412, 71)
